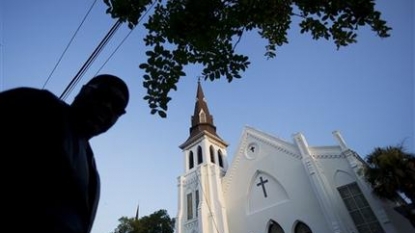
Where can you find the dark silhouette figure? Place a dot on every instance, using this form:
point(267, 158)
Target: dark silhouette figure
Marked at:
point(49, 179)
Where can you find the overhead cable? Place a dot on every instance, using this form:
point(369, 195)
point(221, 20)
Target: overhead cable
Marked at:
point(70, 42)
point(91, 58)
point(125, 38)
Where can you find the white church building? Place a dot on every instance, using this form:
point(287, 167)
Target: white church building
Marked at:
point(275, 186)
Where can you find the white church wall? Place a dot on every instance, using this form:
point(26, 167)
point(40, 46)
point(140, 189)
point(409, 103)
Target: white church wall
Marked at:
point(339, 172)
point(179, 216)
point(212, 205)
point(287, 202)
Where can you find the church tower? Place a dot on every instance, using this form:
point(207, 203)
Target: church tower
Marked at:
point(201, 203)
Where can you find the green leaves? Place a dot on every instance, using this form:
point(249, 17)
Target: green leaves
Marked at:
point(127, 10)
point(159, 221)
point(391, 170)
point(339, 20)
point(207, 32)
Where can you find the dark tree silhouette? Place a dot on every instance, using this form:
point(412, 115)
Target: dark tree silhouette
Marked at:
point(391, 172)
point(157, 222)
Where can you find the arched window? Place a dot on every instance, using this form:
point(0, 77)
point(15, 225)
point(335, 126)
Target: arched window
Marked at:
point(212, 154)
point(301, 227)
point(220, 158)
point(275, 228)
point(199, 155)
point(191, 163)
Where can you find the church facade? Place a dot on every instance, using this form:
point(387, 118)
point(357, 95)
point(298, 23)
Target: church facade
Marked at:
point(275, 186)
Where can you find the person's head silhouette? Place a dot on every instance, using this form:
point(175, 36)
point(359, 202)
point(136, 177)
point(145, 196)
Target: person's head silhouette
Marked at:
point(100, 103)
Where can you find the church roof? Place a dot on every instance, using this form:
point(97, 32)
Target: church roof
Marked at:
point(202, 120)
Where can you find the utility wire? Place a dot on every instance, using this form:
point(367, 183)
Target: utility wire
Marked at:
point(91, 58)
point(70, 42)
point(112, 54)
point(125, 38)
point(81, 72)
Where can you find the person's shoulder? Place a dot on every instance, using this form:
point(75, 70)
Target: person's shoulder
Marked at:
point(27, 91)
point(28, 95)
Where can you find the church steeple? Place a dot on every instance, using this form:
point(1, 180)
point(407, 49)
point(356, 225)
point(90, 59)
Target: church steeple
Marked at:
point(201, 208)
point(202, 120)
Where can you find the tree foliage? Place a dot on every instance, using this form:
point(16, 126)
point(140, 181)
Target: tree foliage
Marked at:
point(391, 172)
point(206, 32)
point(157, 222)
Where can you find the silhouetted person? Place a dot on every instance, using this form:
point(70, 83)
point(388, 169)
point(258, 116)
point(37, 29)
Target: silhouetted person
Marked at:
point(49, 179)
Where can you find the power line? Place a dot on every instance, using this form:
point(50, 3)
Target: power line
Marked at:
point(91, 58)
point(125, 38)
point(70, 42)
point(112, 54)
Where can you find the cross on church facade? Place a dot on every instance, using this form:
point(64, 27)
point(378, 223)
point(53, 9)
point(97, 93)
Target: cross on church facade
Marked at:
point(262, 183)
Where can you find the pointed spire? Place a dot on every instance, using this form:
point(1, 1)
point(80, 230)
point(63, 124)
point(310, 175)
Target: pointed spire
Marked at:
point(136, 212)
point(201, 119)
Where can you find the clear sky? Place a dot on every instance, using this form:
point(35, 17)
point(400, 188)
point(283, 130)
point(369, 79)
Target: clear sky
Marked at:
point(365, 90)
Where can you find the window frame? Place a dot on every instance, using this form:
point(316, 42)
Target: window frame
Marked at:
point(360, 211)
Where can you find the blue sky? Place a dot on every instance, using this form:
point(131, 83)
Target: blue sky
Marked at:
point(365, 90)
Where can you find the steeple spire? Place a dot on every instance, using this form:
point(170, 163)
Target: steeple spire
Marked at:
point(202, 120)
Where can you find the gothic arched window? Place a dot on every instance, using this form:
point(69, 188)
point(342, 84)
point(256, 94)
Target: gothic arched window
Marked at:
point(191, 163)
point(301, 227)
point(220, 158)
point(212, 154)
point(199, 155)
point(275, 228)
